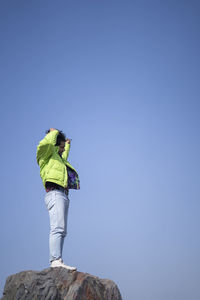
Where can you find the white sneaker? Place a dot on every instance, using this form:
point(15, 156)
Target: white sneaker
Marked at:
point(59, 263)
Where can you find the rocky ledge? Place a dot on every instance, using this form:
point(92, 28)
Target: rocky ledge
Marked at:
point(59, 284)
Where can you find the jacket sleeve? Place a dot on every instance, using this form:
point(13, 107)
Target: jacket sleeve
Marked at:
point(66, 152)
point(46, 146)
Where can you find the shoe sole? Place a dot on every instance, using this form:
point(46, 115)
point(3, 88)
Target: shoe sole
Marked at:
point(64, 268)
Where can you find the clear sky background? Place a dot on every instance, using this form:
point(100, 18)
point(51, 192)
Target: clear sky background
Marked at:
point(121, 78)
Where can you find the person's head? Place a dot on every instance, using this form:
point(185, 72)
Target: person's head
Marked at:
point(60, 142)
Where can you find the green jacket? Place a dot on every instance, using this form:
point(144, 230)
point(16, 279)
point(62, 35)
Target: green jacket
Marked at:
point(53, 167)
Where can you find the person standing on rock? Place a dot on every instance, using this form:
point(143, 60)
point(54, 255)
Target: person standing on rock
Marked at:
point(58, 177)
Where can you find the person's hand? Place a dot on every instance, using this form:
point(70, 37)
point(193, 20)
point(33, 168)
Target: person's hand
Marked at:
point(68, 141)
point(52, 129)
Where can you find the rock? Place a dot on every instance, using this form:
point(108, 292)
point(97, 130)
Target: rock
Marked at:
point(59, 284)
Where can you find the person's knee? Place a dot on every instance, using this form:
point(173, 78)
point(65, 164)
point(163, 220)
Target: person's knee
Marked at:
point(59, 230)
point(64, 232)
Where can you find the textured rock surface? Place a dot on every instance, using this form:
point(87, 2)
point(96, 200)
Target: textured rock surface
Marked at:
point(59, 284)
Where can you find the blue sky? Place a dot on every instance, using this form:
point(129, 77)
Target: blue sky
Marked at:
point(121, 78)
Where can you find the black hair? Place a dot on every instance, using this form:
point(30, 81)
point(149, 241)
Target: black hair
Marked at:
point(60, 138)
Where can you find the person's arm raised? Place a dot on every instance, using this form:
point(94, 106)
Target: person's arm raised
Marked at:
point(67, 148)
point(46, 146)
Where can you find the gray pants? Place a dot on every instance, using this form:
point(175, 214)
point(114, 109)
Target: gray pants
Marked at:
point(57, 203)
